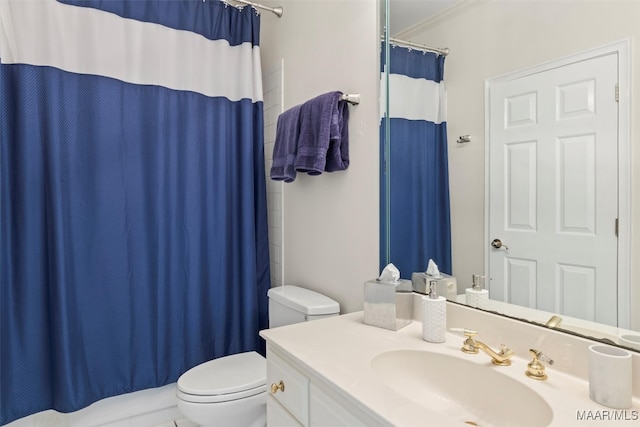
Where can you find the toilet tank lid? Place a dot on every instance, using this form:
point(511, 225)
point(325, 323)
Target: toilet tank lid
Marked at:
point(304, 300)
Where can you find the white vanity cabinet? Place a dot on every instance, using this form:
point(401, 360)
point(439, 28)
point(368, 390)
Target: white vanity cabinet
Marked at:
point(327, 412)
point(340, 372)
point(288, 403)
point(305, 401)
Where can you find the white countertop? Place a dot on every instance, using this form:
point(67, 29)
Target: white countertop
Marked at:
point(338, 351)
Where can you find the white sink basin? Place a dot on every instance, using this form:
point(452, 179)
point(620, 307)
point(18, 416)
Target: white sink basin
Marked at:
point(472, 393)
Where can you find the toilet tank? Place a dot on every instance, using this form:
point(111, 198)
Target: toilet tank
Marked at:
point(292, 304)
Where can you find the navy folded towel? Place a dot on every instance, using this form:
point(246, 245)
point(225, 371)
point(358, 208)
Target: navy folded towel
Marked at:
point(323, 143)
point(285, 146)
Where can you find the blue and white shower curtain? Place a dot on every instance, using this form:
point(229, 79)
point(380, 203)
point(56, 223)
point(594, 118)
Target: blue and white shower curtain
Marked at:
point(417, 185)
point(133, 227)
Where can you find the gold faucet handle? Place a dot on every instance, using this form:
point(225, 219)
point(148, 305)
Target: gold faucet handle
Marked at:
point(469, 333)
point(540, 356)
point(469, 344)
point(505, 351)
point(535, 368)
point(545, 359)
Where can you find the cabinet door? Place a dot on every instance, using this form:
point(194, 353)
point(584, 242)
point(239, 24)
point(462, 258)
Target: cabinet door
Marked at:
point(277, 416)
point(291, 387)
point(326, 412)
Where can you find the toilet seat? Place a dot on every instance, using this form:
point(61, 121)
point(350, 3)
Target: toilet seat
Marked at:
point(224, 379)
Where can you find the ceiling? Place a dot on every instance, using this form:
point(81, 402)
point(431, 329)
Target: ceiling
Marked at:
point(406, 13)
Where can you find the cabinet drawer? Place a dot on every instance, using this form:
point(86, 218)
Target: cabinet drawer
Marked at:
point(295, 396)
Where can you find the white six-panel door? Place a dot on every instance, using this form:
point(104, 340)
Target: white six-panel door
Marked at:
point(553, 189)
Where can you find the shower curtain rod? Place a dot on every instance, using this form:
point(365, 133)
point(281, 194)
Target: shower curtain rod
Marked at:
point(276, 10)
point(444, 51)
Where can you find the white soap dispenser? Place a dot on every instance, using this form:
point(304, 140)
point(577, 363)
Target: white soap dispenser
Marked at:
point(476, 295)
point(434, 316)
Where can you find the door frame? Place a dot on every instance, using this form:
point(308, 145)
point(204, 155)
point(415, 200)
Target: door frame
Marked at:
point(621, 48)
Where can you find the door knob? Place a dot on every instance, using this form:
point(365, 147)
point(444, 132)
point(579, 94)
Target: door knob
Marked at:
point(275, 387)
point(497, 243)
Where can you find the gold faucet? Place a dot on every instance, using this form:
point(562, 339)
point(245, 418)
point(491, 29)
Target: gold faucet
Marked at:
point(471, 346)
point(553, 322)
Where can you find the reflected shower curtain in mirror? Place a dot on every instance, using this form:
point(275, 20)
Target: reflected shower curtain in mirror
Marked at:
point(418, 182)
point(133, 227)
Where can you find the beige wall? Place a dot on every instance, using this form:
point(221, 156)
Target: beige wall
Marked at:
point(330, 237)
point(488, 38)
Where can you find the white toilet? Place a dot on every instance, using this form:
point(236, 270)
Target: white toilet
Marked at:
point(231, 391)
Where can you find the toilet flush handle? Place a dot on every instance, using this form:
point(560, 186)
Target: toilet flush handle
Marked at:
point(275, 387)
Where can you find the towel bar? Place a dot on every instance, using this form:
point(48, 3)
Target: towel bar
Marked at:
point(351, 98)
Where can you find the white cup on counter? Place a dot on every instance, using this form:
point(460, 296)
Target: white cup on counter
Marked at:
point(610, 376)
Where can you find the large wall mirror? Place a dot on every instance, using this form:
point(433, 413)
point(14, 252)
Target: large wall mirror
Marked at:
point(539, 141)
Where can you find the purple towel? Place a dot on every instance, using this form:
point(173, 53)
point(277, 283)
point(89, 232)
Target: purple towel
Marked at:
point(338, 153)
point(285, 146)
point(323, 144)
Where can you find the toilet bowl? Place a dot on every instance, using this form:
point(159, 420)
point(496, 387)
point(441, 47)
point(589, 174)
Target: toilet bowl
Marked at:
point(228, 391)
point(231, 391)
